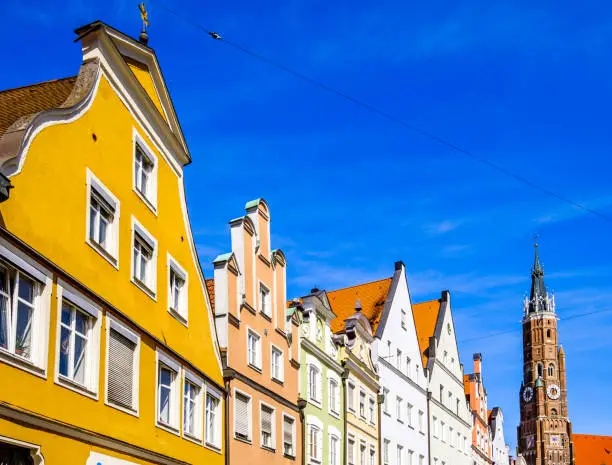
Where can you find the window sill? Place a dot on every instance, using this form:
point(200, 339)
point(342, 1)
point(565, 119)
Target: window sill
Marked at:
point(334, 414)
point(22, 363)
point(102, 251)
point(316, 403)
point(177, 315)
point(147, 202)
point(268, 448)
point(192, 438)
point(278, 381)
point(387, 413)
point(144, 288)
point(168, 428)
point(63, 381)
point(288, 456)
point(213, 447)
point(256, 368)
point(127, 410)
point(245, 440)
point(266, 316)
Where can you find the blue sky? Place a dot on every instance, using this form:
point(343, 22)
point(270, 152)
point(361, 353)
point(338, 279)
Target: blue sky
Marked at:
point(527, 85)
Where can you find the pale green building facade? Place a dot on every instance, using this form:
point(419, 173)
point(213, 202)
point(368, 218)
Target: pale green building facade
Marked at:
point(321, 384)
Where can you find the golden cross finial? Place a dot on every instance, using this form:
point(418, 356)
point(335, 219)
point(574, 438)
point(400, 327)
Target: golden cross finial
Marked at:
point(144, 15)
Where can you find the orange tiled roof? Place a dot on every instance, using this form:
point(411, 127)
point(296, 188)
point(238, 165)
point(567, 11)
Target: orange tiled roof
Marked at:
point(23, 101)
point(592, 450)
point(425, 318)
point(210, 286)
point(466, 384)
point(371, 295)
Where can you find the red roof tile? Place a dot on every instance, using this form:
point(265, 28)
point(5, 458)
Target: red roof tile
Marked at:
point(592, 450)
point(210, 286)
point(371, 295)
point(22, 101)
point(425, 318)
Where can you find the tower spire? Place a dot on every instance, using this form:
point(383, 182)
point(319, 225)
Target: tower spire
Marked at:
point(538, 298)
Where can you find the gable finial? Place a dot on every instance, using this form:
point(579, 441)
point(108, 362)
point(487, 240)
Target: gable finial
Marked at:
point(144, 15)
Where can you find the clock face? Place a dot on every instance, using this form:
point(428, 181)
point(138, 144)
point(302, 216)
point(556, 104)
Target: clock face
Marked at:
point(555, 440)
point(553, 391)
point(527, 394)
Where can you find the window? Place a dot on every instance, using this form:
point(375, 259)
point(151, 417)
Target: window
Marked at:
point(288, 436)
point(168, 382)
point(398, 361)
point(265, 305)
point(277, 363)
point(314, 384)
point(421, 460)
point(421, 421)
point(548, 334)
point(267, 426)
point(458, 404)
point(333, 396)
point(400, 454)
point(551, 370)
point(417, 374)
point(372, 410)
point(213, 418)
point(372, 455)
point(443, 431)
point(403, 319)
point(442, 394)
point(242, 416)
point(540, 370)
point(435, 427)
point(254, 349)
point(409, 414)
point(350, 451)
point(362, 400)
point(351, 396)
point(122, 367)
point(452, 363)
point(145, 173)
point(451, 436)
point(177, 289)
point(398, 408)
point(334, 450)
point(362, 454)
point(386, 401)
point(450, 399)
point(314, 444)
point(408, 367)
point(445, 357)
point(458, 440)
point(386, 444)
point(410, 458)
point(75, 341)
point(144, 254)
point(191, 408)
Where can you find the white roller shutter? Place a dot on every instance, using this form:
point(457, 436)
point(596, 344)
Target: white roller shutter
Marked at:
point(120, 369)
point(241, 416)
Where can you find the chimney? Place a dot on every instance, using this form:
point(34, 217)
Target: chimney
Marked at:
point(399, 265)
point(358, 306)
point(477, 363)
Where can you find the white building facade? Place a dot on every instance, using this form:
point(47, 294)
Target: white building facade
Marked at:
point(500, 450)
point(396, 352)
point(450, 420)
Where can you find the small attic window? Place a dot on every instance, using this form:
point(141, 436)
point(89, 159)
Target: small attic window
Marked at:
point(145, 172)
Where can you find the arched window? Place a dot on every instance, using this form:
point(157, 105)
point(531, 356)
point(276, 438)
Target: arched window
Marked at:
point(528, 375)
point(540, 370)
point(551, 370)
point(548, 333)
point(553, 411)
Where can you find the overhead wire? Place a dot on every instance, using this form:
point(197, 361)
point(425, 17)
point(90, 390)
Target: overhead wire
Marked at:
point(386, 115)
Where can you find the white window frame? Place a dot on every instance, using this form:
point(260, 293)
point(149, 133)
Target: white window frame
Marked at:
point(334, 385)
point(318, 445)
point(150, 199)
point(362, 395)
point(334, 454)
point(400, 454)
point(385, 451)
point(250, 415)
point(409, 408)
point(398, 362)
point(293, 431)
point(421, 421)
point(386, 401)
point(181, 313)
point(113, 323)
point(350, 392)
point(92, 369)
point(192, 378)
point(150, 286)
point(399, 409)
point(281, 364)
point(265, 304)
point(272, 445)
point(174, 426)
point(258, 346)
point(218, 428)
point(371, 410)
point(372, 454)
point(110, 254)
point(351, 438)
point(316, 397)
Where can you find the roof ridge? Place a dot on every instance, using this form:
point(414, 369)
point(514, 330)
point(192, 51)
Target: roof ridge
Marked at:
point(49, 81)
point(426, 302)
point(362, 284)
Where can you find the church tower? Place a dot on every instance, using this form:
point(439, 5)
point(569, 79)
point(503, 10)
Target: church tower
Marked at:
point(545, 432)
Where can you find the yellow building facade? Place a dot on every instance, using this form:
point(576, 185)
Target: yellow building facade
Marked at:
point(108, 353)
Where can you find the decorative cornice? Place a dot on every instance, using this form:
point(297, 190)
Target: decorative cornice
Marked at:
point(318, 353)
point(390, 366)
point(230, 374)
